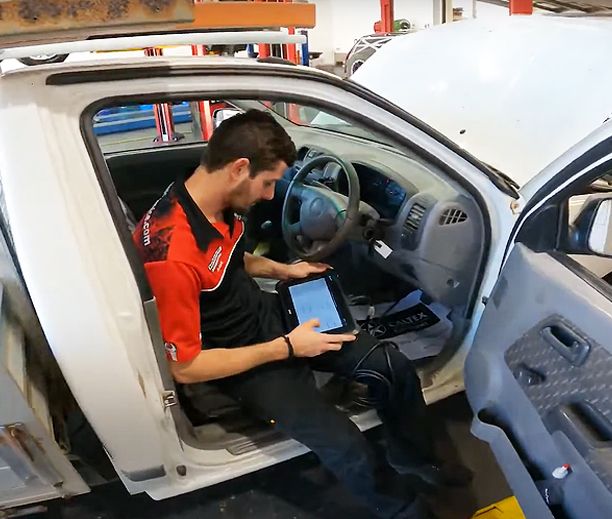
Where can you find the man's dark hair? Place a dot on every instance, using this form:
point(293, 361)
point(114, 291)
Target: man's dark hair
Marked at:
point(254, 135)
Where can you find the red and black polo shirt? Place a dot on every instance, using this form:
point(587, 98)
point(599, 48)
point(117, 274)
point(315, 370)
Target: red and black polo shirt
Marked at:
point(204, 296)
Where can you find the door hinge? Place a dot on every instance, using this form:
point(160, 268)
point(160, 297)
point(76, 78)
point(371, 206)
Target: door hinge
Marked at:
point(169, 399)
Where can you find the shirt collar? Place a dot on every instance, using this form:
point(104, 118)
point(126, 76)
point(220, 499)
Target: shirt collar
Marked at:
point(203, 231)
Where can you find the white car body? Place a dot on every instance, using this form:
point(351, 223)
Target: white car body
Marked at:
point(88, 302)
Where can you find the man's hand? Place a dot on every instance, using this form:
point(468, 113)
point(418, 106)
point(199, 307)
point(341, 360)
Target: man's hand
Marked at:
point(307, 342)
point(303, 269)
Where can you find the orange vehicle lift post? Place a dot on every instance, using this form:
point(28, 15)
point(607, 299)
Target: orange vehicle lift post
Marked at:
point(387, 15)
point(521, 7)
point(162, 113)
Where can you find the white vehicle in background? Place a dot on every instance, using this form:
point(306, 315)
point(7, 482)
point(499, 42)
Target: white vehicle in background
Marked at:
point(79, 329)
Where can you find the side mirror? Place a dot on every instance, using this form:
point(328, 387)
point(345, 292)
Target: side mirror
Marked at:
point(222, 114)
point(600, 234)
point(591, 232)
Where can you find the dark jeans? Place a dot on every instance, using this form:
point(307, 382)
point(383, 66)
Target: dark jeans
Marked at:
point(286, 393)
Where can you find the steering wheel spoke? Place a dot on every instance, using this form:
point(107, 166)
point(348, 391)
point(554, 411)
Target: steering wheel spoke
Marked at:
point(295, 229)
point(315, 247)
point(297, 192)
point(326, 219)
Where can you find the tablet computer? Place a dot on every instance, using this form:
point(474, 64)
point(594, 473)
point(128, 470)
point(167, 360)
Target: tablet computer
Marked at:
point(316, 297)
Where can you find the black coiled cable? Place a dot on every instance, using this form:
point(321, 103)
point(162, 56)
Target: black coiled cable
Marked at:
point(367, 376)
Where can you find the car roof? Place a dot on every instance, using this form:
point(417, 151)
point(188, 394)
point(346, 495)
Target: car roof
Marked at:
point(94, 63)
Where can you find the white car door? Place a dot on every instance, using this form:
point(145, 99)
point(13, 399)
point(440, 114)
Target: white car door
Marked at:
point(539, 374)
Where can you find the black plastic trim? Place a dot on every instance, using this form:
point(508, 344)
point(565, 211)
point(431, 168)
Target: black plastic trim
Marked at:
point(605, 289)
point(598, 152)
point(525, 235)
point(91, 76)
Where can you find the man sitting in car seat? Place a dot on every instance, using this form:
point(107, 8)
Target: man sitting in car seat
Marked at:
point(219, 327)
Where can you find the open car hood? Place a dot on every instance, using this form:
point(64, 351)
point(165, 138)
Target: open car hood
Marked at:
point(515, 92)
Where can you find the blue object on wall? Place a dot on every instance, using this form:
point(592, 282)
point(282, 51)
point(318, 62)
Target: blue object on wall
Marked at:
point(123, 119)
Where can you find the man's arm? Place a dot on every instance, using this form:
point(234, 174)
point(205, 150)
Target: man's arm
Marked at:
point(176, 289)
point(260, 267)
point(225, 362)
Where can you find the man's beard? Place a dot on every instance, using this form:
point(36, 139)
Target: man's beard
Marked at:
point(236, 202)
point(241, 210)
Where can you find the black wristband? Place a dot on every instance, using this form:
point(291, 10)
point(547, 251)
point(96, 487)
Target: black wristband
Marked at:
point(289, 347)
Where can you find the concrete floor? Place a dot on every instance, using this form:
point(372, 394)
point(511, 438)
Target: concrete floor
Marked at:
point(302, 489)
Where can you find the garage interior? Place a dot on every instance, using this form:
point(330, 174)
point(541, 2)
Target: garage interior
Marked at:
point(336, 37)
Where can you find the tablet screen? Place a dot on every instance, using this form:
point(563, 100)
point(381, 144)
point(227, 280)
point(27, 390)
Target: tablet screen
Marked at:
point(313, 300)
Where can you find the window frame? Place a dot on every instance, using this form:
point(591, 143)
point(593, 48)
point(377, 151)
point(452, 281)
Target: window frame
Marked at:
point(429, 159)
point(547, 229)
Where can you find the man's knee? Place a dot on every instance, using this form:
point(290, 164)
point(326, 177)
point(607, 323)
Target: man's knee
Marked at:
point(388, 373)
point(320, 426)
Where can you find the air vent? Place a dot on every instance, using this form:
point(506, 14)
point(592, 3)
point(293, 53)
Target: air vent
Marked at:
point(313, 153)
point(415, 216)
point(453, 216)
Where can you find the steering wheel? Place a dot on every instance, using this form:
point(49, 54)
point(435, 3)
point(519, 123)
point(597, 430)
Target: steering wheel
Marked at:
point(316, 220)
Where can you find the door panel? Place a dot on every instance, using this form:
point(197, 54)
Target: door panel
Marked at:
point(539, 378)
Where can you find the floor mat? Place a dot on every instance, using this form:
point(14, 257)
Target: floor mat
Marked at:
point(419, 329)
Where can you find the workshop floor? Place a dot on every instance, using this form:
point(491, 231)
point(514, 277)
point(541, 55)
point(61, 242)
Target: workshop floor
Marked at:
point(301, 488)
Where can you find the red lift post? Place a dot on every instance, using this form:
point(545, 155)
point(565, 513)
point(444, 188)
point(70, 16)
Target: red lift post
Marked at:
point(289, 50)
point(206, 122)
point(212, 14)
point(521, 7)
point(162, 112)
point(387, 16)
point(204, 108)
point(263, 48)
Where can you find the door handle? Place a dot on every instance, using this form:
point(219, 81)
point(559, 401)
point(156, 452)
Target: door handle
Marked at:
point(571, 346)
point(583, 424)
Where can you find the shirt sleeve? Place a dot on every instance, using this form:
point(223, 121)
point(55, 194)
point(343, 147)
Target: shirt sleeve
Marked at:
point(176, 288)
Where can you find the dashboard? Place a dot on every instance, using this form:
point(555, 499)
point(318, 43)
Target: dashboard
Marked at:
point(377, 190)
point(433, 229)
point(380, 192)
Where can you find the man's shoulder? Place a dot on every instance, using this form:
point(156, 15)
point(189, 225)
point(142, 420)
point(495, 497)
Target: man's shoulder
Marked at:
point(163, 232)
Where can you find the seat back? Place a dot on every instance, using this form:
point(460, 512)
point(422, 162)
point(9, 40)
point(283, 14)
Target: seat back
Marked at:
point(130, 219)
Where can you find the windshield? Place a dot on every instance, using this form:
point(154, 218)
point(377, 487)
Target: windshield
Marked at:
point(312, 117)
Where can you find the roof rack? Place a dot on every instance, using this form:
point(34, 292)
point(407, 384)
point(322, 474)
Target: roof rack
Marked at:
point(157, 40)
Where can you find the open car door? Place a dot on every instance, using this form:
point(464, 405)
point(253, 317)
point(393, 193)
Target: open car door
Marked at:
point(539, 375)
point(33, 467)
point(539, 379)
